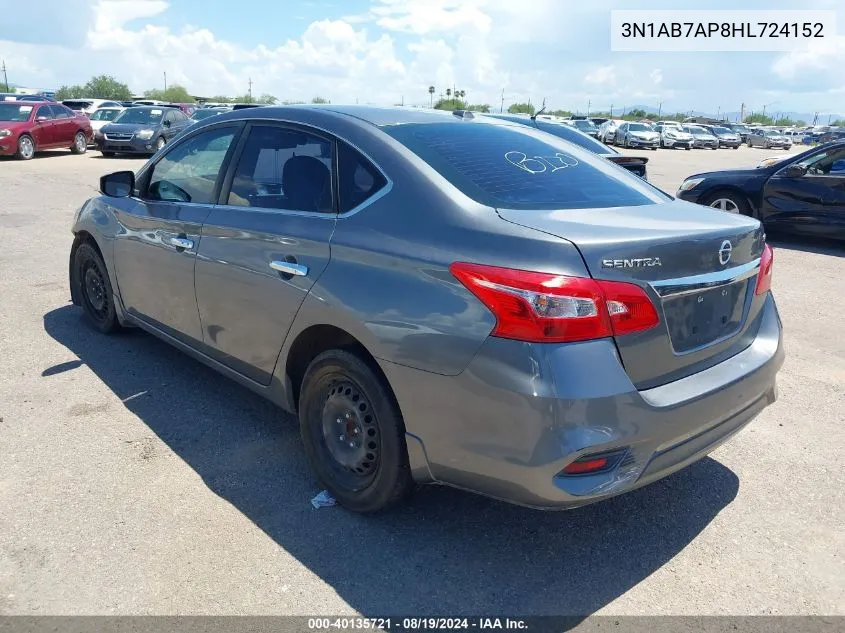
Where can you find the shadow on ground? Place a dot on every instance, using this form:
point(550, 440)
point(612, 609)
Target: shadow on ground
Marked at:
point(817, 245)
point(445, 552)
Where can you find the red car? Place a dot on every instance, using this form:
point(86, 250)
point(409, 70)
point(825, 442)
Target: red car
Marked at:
point(27, 127)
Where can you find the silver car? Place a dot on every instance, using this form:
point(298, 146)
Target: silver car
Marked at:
point(673, 136)
point(769, 139)
point(702, 137)
point(441, 298)
point(632, 134)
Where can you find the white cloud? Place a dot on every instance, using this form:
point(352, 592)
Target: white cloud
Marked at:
point(397, 48)
point(602, 76)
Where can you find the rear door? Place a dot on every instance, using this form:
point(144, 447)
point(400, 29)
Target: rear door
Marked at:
point(161, 228)
point(64, 126)
point(265, 244)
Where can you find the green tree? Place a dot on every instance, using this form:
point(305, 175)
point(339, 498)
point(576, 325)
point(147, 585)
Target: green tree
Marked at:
point(636, 113)
point(173, 94)
point(563, 113)
point(430, 95)
point(268, 98)
point(107, 87)
point(319, 100)
point(70, 92)
point(521, 108)
point(758, 118)
point(10, 89)
point(292, 102)
point(219, 99)
point(479, 107)
point(450, 104)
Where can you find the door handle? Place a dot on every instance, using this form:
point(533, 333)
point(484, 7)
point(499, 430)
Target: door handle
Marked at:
point(181, 242)
point(289, 268)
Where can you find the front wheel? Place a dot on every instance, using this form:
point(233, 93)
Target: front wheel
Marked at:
point(728, 201)
point(94, 289)
point(80, 143)
point(26, 147)
point(353, 433)
point(160, 142)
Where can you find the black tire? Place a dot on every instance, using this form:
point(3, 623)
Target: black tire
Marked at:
point(373, 473)
point(94, 289)
point(687, 147)
point(26, 147)
point(80, 145)
point(736, 147)
point(107, 154)
point(741, 203)
point(749, 144)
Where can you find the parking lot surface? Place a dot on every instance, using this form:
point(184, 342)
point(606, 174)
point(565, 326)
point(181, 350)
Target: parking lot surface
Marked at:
point(133, 480)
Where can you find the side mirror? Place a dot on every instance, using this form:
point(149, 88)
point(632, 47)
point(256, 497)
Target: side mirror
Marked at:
point(40, 119)
point(794, 171)
point(118, 185)
point(166, 123)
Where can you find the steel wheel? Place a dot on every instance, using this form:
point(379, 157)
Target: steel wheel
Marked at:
point(725, 204)
point(353, 432)
point(26, 147)
point(350, 433)
point(93, 289)
point(160, 143)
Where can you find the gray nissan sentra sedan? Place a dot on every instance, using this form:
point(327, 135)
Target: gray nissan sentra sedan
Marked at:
point(441, 298)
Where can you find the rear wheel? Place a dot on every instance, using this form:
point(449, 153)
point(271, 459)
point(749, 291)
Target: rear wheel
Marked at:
point(729, 201)
point(80, 143)
point(353, 432)
point(26, 147)
point(95, 289)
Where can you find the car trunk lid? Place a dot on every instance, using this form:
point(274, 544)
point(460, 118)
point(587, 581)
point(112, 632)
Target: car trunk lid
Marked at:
point(697, 264)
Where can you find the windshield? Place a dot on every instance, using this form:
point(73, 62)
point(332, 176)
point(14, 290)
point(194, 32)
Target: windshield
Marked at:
point(516, 167)
point(771, 133)
point(144, 116)
point(740, 128)
point(639, 127)
point(199, 115)
point(581, 124)
point(9, 112)
point(722, 130)
point(694, 129)
point(105, 115)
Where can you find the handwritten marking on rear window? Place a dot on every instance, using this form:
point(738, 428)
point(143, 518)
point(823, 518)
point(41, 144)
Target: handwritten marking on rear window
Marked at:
point(540, 164)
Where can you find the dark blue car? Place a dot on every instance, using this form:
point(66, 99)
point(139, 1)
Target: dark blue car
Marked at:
point(802, 194)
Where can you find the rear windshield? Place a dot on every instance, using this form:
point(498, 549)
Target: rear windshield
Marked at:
point(513, 166)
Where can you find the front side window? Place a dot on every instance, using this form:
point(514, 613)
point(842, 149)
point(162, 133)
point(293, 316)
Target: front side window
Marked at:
point(189, 171)
point(282, 168)
point(829, 163)
point(510, 166)
point(45, 112)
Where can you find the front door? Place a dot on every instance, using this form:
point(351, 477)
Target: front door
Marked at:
point(156, 249)
point(265, 245)
point(812, 203)
point(42, 130)
point(64, 126)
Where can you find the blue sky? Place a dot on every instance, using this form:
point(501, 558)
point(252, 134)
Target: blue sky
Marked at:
point(386, 51)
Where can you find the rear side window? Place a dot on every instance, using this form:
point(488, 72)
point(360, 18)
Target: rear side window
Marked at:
point(515, 167)
point(358, 178)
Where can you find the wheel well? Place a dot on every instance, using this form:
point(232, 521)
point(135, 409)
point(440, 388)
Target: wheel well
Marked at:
point(317, 339)
point(82, 237)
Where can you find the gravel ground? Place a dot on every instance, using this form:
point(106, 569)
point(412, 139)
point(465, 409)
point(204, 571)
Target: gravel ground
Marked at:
point(133, 480)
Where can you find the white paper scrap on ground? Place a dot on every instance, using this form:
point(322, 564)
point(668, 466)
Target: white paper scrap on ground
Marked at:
point(323, 500)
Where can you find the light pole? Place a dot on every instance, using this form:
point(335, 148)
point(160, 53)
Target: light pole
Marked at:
point(165, 81)
point(5, 78)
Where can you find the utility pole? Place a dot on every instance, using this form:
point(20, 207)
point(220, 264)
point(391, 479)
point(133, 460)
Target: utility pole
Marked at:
point(718, 112)
point(5, 78)
point(588, 106)
point(250, 90)
point(502, 106)
point(828, 118)
point(611, 110)
point(659, 109)
point(165, 81)
point(742, 112)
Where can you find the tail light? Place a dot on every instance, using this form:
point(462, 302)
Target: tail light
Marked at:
point(545, 308)
point(764, 277)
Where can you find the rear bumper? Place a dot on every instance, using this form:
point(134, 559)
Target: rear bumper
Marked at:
point(508, 425)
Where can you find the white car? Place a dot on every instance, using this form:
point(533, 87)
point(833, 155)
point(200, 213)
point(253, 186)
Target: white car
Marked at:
point(771, 160)
point(90, 106)
point(104, 116)
point(673, 136)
